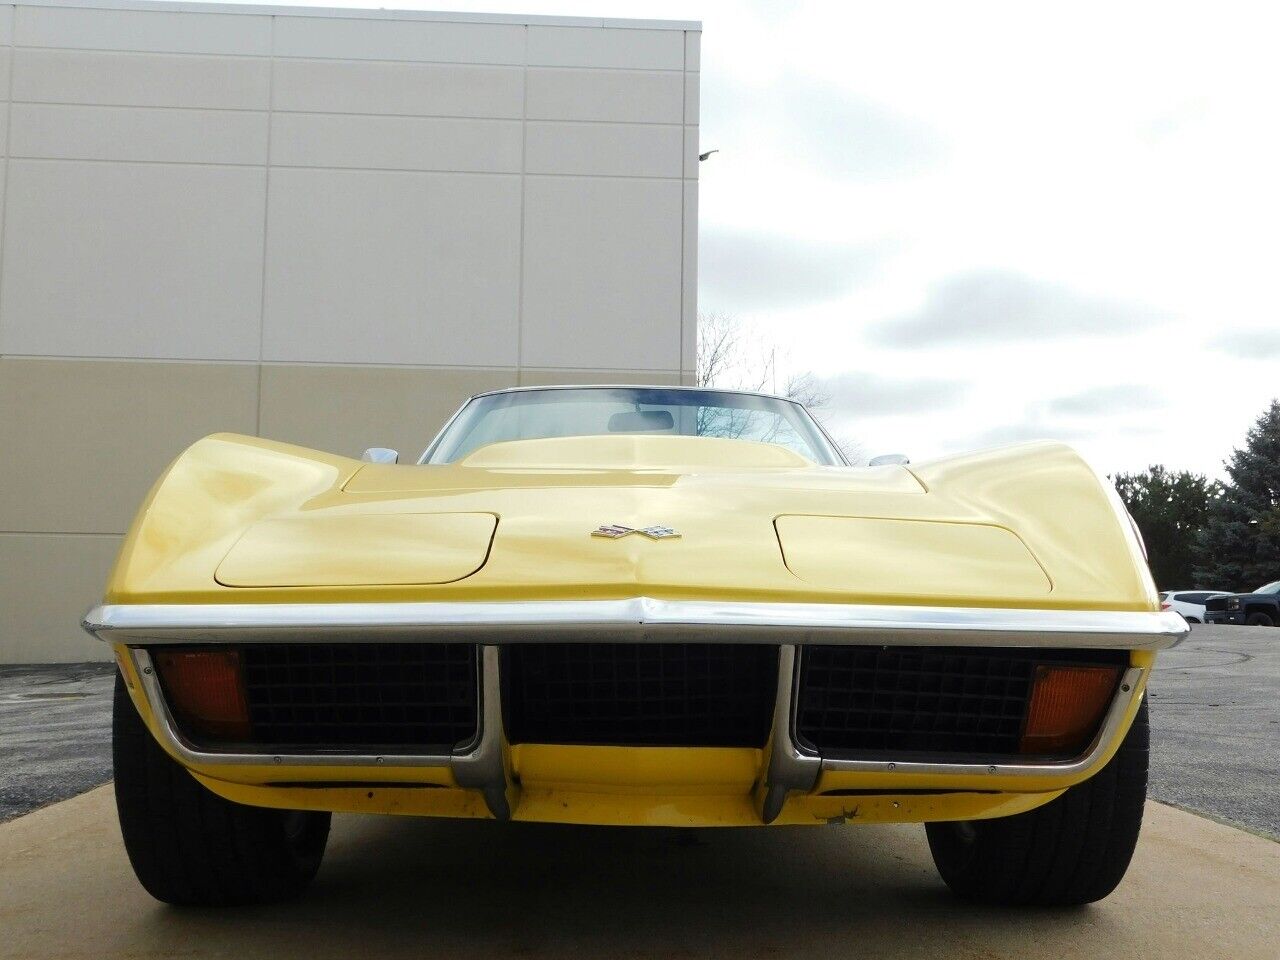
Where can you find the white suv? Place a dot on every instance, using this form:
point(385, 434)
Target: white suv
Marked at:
point(1189, 603)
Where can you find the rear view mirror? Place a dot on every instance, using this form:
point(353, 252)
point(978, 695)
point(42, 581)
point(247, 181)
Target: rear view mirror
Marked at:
point(641, 421)
point(381, 455)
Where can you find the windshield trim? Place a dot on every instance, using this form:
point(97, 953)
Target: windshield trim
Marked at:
point(832, 448)
point(633, 386)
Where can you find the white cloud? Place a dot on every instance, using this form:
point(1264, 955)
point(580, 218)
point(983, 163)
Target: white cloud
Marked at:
point(862, 393)
point(1106, 401)
point(1002, 307)
point(761, 271)
point(823, 128)
point(1251, 344)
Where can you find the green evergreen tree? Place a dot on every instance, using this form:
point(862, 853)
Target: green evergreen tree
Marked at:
point(1170, 508)
point(1240, 545)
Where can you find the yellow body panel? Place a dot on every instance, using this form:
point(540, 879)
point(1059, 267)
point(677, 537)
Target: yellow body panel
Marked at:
point(723, 501)
point(541, 805)
point(1036, 523)
point(379, 548)
point(965, 561)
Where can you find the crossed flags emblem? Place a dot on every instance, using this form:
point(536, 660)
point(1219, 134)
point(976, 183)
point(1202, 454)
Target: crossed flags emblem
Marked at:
point(615, 531)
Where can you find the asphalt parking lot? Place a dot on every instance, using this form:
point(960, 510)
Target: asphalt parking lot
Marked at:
point(55, 733)
point(1215, 714)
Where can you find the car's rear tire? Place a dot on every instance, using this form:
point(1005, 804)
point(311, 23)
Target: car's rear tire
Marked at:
point(1073, 850)
point(1261, 620)
point(187, 845)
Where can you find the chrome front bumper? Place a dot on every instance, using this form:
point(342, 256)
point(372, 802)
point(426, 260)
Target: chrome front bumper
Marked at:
point(634, 620)
point(484, 764)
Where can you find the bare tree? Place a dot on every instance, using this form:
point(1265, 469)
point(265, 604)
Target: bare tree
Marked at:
point(735, 356)
point(716, 338)
point(805, 388)
point(724, 355)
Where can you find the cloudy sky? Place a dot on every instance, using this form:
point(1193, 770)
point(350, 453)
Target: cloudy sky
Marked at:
point(981, 223)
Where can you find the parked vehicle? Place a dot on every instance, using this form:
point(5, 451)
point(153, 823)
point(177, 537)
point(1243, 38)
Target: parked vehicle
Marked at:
point(1189, 603)
point(1258, 609)
point(649, 606)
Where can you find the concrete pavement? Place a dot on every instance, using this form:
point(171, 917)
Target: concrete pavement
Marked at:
point(395, 887)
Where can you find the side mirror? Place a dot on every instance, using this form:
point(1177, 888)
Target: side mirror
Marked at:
point(380, 455)
point(888, 459)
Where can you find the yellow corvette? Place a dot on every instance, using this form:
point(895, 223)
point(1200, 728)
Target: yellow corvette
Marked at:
point(631, 605)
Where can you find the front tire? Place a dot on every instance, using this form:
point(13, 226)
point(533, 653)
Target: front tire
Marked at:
point(1073, 850)
point(1261, 620)
point(187, 845)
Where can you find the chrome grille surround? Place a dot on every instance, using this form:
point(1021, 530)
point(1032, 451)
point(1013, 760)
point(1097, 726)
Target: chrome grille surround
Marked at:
point(485, 763)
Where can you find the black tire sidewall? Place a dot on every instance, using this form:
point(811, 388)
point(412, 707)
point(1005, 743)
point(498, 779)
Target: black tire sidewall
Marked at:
point(1072, 850)
point(189, 846)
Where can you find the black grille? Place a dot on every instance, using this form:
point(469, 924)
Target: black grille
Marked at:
point(374, 695)
point(1216, 604)
point(651, 694)
point(921, 700)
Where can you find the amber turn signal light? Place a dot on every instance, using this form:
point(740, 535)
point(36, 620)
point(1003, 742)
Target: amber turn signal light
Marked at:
point(1067, 704)
point(205, 691)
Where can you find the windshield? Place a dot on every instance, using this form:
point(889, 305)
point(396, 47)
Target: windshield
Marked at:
point(1269, 588)
point(593, 411)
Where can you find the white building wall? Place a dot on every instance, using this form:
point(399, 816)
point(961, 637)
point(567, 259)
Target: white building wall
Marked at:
point(324, 226)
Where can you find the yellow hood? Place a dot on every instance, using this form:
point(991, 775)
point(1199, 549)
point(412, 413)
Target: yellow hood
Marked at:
point(239, 519)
